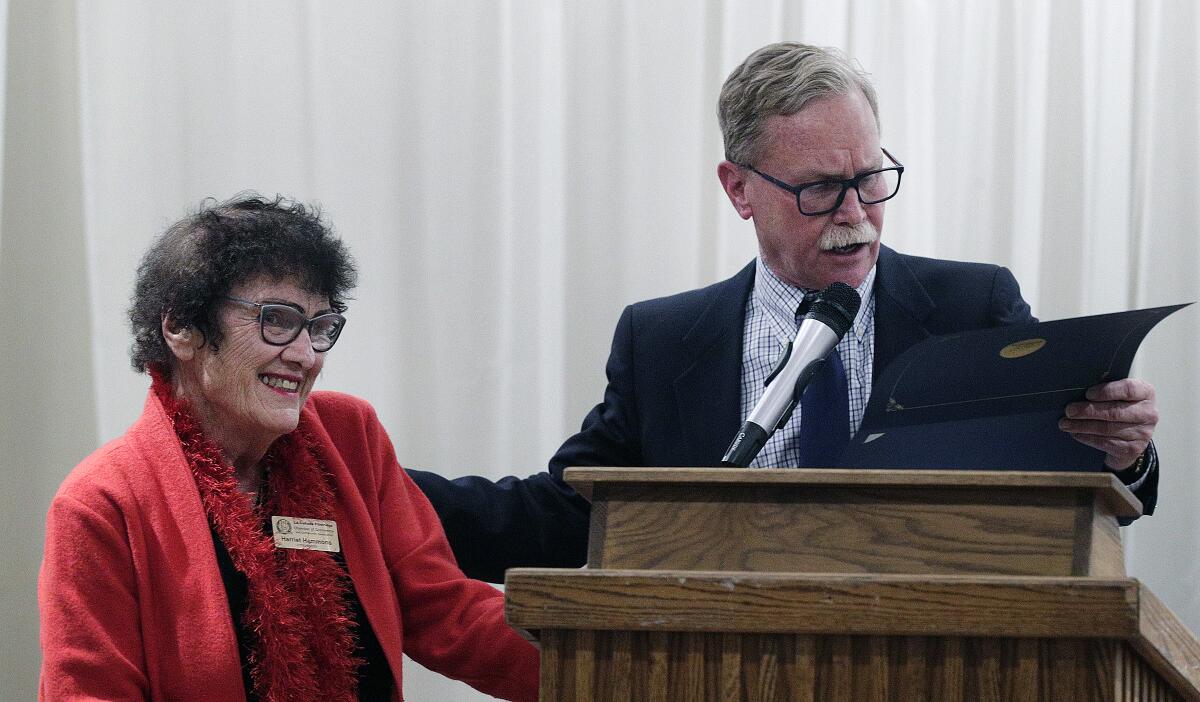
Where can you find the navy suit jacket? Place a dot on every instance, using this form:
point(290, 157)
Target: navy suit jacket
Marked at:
point(674, 399)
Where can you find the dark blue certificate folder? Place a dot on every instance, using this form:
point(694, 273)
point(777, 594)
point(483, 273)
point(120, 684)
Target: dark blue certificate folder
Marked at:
point(992, 398)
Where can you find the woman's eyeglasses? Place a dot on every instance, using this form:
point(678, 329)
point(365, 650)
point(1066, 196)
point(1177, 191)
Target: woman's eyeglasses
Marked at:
point(280, 324)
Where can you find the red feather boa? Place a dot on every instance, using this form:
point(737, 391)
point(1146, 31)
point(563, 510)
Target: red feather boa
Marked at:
point(297, 615)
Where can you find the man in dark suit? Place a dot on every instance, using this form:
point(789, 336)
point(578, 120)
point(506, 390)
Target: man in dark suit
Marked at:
point(804, 163)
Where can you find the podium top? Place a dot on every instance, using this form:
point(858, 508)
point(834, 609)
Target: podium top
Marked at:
point(1110, 490)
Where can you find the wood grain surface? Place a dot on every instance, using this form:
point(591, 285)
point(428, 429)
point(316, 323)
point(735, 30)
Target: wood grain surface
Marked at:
point(778, 636)
point(1166, 642)
point(847, 604)
point(728, 584)
point(1122, 502)
point(1059, 524)
point(770, 667)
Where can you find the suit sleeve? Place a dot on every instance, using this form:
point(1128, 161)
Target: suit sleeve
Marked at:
point(540, 521)
point(90, 628)
point(1007, 306)
point(1145, 488)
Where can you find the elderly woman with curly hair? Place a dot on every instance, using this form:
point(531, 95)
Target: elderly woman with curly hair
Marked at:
point(246, 539)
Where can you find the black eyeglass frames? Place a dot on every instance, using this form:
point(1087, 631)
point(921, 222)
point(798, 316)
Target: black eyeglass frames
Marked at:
point(280, 324)
point(823, 197)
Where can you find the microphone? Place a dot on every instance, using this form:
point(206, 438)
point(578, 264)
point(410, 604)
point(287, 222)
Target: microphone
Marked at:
point(820, 330)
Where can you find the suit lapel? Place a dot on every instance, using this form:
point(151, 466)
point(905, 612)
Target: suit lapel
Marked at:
point(708, 392)
point(901, 307)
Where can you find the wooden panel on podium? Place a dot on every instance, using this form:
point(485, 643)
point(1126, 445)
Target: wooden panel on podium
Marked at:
point(715, 584)
point(888, 637)
point(848, 521)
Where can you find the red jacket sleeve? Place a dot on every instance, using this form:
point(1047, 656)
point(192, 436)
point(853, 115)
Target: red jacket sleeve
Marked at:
point(452, 625)
point(90, 630)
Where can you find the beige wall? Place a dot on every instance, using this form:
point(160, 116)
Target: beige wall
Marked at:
point(47, 413)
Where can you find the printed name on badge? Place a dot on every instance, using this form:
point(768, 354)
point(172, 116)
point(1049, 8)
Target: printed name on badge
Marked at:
point(308, 534)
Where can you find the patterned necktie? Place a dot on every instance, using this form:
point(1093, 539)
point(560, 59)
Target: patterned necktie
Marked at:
point(824, 408)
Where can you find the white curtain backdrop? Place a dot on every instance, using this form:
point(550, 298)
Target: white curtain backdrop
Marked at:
point(511, 173)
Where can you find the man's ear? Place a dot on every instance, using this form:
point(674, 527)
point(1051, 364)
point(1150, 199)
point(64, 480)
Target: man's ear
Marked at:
point(182, 340)
point(733, 180)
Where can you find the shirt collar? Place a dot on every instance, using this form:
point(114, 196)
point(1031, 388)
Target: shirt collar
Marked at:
point(780, 299)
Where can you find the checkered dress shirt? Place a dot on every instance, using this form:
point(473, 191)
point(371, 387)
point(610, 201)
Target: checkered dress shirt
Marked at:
point(770, 325)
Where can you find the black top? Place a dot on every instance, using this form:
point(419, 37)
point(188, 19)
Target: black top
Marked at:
point(374, 676)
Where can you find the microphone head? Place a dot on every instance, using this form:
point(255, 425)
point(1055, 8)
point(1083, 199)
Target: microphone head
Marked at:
point(836, 307)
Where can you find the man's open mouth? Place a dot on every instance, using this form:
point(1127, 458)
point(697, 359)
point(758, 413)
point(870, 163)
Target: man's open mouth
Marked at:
point(848, 250)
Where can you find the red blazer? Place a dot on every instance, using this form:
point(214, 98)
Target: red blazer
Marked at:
point(132, 602)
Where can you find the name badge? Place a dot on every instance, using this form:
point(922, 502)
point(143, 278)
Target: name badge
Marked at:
point(308, 534)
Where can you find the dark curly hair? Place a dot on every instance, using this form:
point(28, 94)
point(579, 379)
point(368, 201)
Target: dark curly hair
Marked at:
point(194, 264)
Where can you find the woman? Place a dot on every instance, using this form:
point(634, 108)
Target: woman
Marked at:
point(245, 539)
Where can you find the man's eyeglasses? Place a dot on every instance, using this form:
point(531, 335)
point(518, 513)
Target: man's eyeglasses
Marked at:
point(281, 324)
point(825, 196)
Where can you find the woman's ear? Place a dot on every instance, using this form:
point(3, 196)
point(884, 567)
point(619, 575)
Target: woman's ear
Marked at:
point(182, 340)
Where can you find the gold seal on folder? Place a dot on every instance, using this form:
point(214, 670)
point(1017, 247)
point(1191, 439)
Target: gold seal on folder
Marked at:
point(1025, 347)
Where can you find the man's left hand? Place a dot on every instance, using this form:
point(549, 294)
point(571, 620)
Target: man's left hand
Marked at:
point(1118, 418)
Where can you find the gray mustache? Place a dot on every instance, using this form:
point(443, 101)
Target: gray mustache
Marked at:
point(838, 235)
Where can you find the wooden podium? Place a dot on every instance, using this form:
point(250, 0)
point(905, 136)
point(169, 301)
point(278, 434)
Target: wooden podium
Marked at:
point(735, 584)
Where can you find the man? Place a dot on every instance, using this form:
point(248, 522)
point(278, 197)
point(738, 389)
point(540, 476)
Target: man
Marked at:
point(805, 165)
